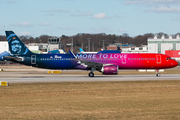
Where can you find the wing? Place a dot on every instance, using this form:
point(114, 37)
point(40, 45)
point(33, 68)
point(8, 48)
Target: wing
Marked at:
point(89, 64)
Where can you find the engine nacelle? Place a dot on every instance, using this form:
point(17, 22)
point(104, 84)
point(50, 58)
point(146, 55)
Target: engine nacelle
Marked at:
point(110, 70)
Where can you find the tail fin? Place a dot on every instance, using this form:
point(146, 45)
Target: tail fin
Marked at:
point(16, 47)
point(81, 50)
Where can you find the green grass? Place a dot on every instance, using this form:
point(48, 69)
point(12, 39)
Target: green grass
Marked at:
point(91, 100)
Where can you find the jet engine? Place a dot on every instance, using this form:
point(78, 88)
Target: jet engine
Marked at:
point(110, 70)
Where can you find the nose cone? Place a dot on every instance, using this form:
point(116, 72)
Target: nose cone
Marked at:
point(174, 63)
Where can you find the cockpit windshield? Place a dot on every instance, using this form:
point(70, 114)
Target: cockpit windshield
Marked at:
point(168, 58)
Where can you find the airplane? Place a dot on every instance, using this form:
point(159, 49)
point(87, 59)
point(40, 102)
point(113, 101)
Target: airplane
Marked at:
point(82, 51)
point(107, 63)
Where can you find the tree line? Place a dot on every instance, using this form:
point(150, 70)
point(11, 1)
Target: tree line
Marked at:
point(96, 40)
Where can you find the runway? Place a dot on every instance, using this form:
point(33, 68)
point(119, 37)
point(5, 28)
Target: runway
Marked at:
point(26, 77)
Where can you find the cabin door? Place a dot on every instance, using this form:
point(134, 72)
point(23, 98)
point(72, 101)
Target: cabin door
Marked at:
point(124, 60)
point(158, 59)
point(33, 59)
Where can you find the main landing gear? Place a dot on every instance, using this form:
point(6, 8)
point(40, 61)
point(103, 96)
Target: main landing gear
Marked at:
point(157, 73)
point(91, 74)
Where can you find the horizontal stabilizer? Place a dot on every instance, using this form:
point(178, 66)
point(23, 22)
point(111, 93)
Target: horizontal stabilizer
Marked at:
point(5, 53)
point(19, 59)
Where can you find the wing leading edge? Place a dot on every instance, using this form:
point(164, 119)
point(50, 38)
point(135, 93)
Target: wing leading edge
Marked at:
point(89, 64)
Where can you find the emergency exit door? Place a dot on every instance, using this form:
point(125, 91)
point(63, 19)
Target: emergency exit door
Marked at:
point(33, 59)
point(158, 59)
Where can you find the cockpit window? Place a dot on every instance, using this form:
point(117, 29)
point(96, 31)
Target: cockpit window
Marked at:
point(168, 58)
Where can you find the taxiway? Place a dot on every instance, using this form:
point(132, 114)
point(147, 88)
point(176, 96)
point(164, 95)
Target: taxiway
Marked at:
point(26, 77)
point(26, 74)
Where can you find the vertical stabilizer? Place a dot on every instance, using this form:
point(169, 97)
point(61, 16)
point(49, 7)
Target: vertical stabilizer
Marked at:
point(16, 47)
point(81, 50)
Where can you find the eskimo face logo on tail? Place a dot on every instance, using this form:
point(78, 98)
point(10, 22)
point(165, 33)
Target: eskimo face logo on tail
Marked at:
point(16, 47)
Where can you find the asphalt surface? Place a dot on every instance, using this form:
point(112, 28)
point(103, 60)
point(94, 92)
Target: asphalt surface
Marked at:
point(29, 77)
point(26, 74)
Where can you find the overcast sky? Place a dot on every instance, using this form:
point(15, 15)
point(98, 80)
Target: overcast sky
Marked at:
point(69, 17)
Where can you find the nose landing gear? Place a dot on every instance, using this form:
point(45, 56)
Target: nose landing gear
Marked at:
point(157, 73)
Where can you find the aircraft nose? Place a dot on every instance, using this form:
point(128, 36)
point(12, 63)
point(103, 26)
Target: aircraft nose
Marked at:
point(175, 63)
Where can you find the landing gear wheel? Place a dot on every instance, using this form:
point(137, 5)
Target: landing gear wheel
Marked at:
point(158, 75)
point(91, 74)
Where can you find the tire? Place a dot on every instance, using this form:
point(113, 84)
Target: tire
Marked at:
point(158, 75)
point(91, 74)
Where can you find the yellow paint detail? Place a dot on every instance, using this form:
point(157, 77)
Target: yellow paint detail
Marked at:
point(57, 72)
point(3, 83)
point(54, 72)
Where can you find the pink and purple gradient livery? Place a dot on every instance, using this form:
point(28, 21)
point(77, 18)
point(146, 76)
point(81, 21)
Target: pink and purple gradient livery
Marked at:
point(132, 60)
point(114, 61)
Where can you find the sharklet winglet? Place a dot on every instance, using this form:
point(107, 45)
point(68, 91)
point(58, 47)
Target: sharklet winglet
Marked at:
point(72, 54)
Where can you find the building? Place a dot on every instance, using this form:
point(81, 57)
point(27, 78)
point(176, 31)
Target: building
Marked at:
point(174, 54)
point(159, 45)
point(112, 47)
point(53, 44)
point(128, 48)
point(134, 49)
point(4, 46)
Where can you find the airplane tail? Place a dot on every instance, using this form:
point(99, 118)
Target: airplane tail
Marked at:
point(81, 50)
point(16, 47)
